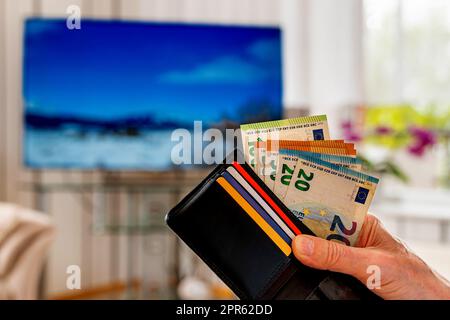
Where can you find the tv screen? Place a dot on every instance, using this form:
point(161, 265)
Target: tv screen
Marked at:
point(109, 95)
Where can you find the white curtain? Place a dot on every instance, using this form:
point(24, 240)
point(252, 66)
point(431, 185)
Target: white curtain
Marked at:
point(323, 55)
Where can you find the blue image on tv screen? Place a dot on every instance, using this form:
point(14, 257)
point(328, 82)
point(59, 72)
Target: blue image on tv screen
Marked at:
point(109, 95)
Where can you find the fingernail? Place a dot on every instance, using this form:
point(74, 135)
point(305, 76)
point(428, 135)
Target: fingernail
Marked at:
point(305, 245)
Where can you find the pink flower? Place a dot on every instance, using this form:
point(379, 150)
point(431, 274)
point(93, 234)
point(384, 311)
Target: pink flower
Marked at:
point(383, 130)
point(422, 139)
point(347, 125)
point(349, 133)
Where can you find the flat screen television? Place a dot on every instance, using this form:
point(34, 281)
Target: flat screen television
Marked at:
point(109, 95)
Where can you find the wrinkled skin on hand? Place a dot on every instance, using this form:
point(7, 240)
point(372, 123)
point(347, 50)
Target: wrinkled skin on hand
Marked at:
point(403, 274)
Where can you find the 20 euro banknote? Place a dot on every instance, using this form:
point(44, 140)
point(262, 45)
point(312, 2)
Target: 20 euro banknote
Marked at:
point(268, 163)
point(284, 166)
point(330, 199)
point(347, 161)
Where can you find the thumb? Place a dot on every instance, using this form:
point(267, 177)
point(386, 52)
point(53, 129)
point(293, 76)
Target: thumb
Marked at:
point(328, 255)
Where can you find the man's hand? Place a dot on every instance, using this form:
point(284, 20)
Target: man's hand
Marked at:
point(403, 274)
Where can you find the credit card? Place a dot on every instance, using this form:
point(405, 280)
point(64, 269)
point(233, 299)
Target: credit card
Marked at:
point(266, 197)
point(238, 177)
point(257, 207)
point(275, 237)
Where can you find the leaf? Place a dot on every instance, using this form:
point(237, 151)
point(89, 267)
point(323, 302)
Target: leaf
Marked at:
point(395, 170)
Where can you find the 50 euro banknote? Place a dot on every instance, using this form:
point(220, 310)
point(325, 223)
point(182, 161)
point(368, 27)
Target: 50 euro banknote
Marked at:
point(332, 200)
point(302, 128)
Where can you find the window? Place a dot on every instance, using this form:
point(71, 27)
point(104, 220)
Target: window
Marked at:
point(407, 52)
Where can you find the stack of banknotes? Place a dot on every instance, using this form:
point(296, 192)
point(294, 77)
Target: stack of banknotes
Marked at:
point(320, 180)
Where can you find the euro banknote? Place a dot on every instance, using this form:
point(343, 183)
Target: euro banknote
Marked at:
point(266, 152)
point(350, 162)
point(303, 128)
point(330, 199)
point(274, 145)
point(272, 159)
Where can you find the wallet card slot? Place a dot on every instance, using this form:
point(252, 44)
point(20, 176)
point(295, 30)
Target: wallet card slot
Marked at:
point(247, 175)
point(274, 236)
point(261, 202)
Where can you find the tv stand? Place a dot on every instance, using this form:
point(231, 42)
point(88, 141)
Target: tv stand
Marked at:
point(103, 192)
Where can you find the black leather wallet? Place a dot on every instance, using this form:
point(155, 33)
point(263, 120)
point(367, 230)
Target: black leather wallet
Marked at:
point(237, 249)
